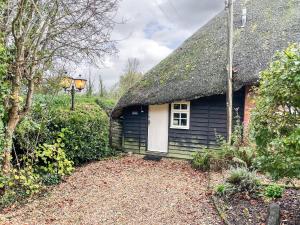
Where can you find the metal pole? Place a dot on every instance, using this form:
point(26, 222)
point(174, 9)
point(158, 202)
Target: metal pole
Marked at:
point(73, 98)
point(230, 65)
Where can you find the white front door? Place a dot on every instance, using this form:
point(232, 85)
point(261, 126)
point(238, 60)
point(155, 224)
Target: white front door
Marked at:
point(158, 128)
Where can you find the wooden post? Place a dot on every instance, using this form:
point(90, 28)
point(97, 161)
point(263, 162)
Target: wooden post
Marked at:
point(73, 98)
point(230, 66)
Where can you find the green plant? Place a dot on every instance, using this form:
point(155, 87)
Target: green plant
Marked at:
point(51, 179)
point(21, 180)
point(85, 129)
point(275, 121)
point(234, 153)
point(273, 191)
point(224, 190)
point(26, 179)
point(51, 159)
point(46, 165)
point(201, 160)
point(46, 160)
point(223, 157)
point(243, 179)
point(86, 136)
point(8, 198)
point(244, 156)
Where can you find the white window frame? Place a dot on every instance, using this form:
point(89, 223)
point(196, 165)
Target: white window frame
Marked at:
point(187, 111)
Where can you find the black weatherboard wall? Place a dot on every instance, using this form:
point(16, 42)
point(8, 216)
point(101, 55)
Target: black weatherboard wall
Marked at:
point(116, 132)
point(135, 129)
point(207, 117)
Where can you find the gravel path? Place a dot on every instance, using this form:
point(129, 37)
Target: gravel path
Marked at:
point(127, 191)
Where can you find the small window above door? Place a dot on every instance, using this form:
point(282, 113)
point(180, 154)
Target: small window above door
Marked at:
point(180, 115)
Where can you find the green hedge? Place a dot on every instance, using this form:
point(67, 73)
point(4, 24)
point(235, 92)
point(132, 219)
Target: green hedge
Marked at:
point(86, 137)
point(85, 130)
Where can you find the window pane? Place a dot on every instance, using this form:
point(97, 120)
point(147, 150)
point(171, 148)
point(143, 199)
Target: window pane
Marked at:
point(176, 115)
point(183, 106)
point(176, 122)
point(176, 106)
point(183, 122)
point(183, 115)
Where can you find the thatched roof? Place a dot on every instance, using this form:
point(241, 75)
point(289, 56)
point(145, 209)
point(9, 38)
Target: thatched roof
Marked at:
point(198, 67)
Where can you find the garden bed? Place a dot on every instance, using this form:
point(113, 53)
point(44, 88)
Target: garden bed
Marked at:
point(243, 209)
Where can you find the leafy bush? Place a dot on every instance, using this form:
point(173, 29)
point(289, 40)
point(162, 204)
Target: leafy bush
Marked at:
point(223, 157)
point(8, 198)
point(86, 134)
point(201, 160)
point(224, 190)
point(51, 179)
point(51, 159)
point(20, 183)
point(273, 191)
point(243, 180)
point(47, 164)
point(275, 120)
point(236, 153)
point(85, 129)
point(244, 156)
point(227, 154)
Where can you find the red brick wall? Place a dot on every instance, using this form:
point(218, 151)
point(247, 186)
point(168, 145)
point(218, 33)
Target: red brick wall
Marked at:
point(249, 105)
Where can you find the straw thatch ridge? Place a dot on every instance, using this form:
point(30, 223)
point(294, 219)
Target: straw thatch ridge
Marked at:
point(198, 67)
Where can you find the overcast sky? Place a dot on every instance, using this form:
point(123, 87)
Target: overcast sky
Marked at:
point(152, 30)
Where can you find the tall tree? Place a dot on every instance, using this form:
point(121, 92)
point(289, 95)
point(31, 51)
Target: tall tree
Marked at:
point(129, 78)
point(101, 87)
point(90, 86)
point(39, 33)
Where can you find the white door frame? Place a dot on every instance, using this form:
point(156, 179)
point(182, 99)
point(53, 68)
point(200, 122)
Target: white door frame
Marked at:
point(158, 128)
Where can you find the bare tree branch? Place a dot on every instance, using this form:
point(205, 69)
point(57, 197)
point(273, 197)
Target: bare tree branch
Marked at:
point(41, 33)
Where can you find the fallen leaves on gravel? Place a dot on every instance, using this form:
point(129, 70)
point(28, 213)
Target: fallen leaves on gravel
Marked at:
point(128, 190)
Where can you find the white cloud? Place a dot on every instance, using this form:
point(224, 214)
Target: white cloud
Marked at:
point(152, 30)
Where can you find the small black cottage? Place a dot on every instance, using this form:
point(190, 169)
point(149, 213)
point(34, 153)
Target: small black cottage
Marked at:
point(180, 104)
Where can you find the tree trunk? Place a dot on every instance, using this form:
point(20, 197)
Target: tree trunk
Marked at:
point(13, 120)
point(8, 140)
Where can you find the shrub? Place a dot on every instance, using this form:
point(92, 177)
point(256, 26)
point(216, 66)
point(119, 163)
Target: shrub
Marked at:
point(234, 153)
point(21, 181)
point(275, 121)
point(243, 179)
point(46, 160)
point(47, 164)
point(52, 160)
point(201, 161)
point(245, 156)
point(273, 191)
point(223, 157)
point(8, 198)
point(85, 129)
point(51, 179)
point(86, 134)
point(224, 190)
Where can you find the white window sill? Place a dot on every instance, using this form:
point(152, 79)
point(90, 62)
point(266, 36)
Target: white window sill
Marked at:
point(181, 128)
